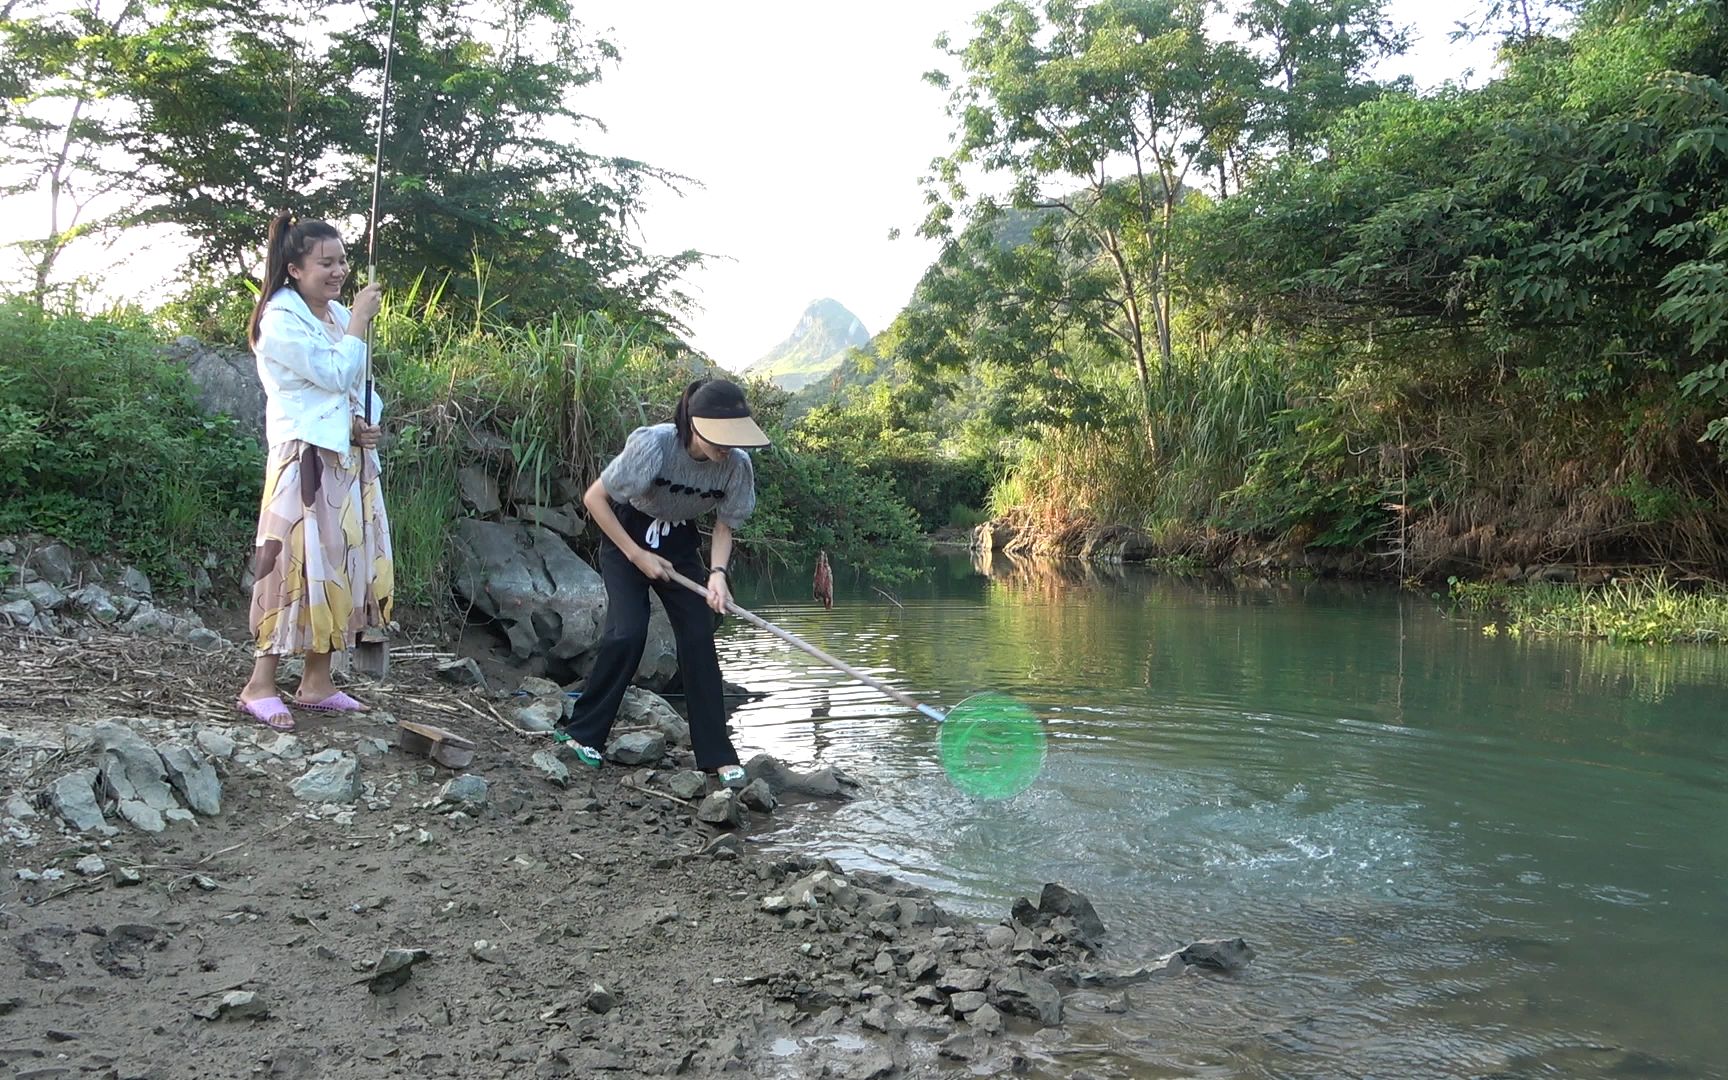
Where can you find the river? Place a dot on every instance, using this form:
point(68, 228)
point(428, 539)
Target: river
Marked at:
point(1458, 855)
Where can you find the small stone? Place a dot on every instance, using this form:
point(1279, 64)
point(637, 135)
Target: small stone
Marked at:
point(757, 795)
point(958, 1047)
point(1059, 900)
point(637, 748)
point(236, 1005)
point(394, 969)
point(776, 905)
point(462, 671)
point(53, 562)
point(723, 847)
point(370, 748)
point(90, 866)
point(999, 937)
point(98, 603)
point(335, 781)
point(486, 952)
point(135, 583)
point(986, 1018)
point(18, 807)
point(687, 785)
point(464, 791)
point(961, 979)
point(551, 768)
point(541, 714)
point(206, 884)
point(721, 808)
point(280, 744)
point(1029, 995)
point(969, 1001)
point(205, 639)
point(215, 744)
point(479, 490)
point(126, 876)
point(599, 999)
point(46, 597)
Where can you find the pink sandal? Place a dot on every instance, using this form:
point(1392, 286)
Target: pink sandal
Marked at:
point(270, 712)
point(337, 702)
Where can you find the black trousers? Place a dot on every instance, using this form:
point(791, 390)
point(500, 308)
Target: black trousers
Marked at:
point(626, 635)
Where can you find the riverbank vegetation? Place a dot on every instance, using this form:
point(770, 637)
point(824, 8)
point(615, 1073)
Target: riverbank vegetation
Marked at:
point(1638, 610)
point(1234, 288)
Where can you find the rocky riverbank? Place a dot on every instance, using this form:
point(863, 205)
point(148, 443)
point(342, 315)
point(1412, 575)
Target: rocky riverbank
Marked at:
point(193, 896)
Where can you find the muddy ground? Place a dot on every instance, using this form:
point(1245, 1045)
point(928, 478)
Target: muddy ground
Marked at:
point(597, 929)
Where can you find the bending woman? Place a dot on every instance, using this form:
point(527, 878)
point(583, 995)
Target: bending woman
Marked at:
point(646, 502)
point(323, 569)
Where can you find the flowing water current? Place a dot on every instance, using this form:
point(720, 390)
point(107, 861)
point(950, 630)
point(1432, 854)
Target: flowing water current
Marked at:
point(1457, 855)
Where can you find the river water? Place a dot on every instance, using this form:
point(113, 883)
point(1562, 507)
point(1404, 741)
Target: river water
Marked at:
point(1458, 855)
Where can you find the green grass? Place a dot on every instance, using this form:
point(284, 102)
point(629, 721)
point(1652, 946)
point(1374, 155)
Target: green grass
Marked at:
point(1635, 610)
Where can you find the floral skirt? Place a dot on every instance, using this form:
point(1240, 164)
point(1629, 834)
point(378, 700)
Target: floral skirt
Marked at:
point(323, 570)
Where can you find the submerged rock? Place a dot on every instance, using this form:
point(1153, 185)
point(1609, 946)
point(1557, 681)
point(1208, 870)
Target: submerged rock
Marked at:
point(824, 783)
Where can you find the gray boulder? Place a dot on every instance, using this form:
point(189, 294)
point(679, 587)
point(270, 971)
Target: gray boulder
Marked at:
point(1059, 900)
point(193, 777)
point(20, 612)
point(479, 490)
point(1229, 954)
point(73, 797)
point(133, 775)
point(824, 783)
point(548, 601)
point(53, 562)
point(227, 381)
point(1026, 994)
point(46, 597)
point(98, 603)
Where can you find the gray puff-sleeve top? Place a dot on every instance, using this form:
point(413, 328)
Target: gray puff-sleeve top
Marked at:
point(657, 475)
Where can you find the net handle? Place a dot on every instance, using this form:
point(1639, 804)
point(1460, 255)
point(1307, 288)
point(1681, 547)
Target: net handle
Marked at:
point(834, 662)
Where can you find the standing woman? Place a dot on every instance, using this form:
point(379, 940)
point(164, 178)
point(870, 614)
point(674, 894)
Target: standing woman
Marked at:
point(645, 503)
point(323, 570)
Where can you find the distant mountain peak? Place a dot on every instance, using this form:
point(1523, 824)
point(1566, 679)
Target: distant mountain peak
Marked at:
point(824, 334)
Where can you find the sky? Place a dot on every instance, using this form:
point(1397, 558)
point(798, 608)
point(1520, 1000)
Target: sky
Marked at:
point(805, 128)
point(809, 126)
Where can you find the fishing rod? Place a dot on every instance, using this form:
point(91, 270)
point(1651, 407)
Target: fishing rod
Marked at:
point(372, 217)
point(370, 655)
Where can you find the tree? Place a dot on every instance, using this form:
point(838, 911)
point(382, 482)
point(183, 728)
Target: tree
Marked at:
point(58, 133)
point(1315, 61)
point(1127, 99)
point(243, 110)
point(238, 117)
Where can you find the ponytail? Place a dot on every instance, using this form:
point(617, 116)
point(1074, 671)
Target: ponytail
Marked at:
point(681, 416)
point(289, 240)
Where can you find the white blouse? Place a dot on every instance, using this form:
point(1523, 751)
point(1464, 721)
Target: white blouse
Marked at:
point(313, 385)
